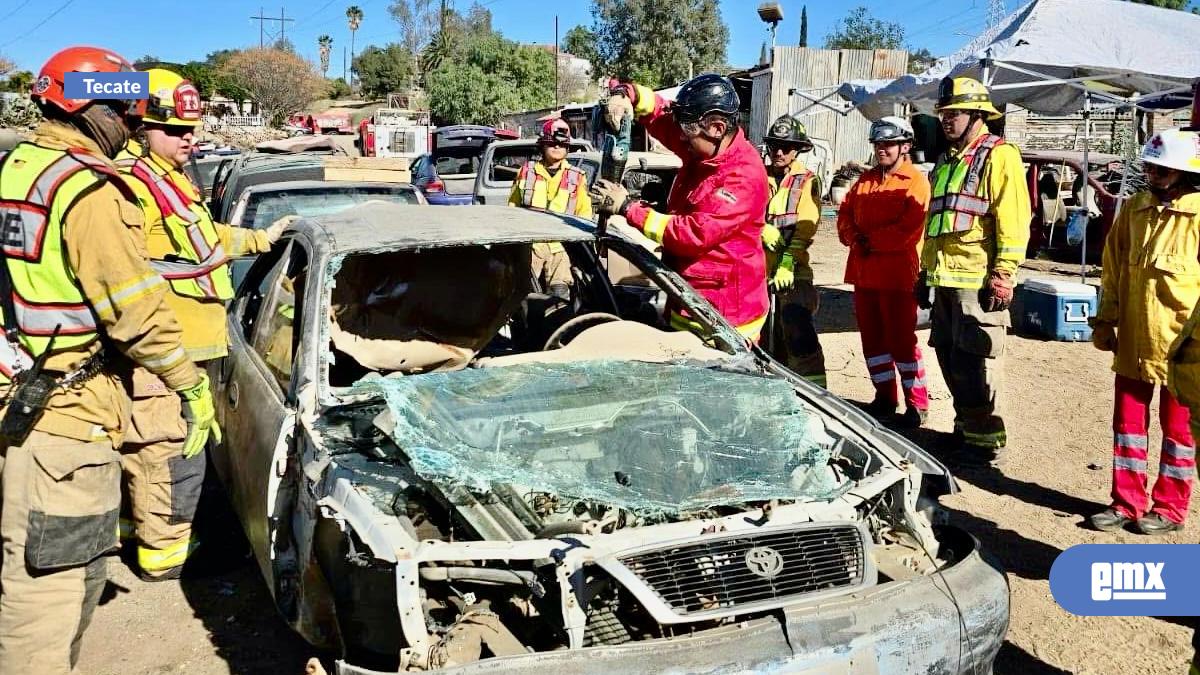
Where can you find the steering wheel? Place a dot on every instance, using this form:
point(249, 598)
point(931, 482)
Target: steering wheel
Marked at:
point(556, 340)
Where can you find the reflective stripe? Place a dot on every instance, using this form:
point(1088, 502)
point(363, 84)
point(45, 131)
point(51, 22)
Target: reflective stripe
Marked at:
point(1130, 464)
point(956, 201)
point(1131, 441)
point(883, 377)
point(572, 185)
point(138, 289)
point(1010, 250)
point(43, 319)
point(656, 225)
point(165, 196)
point(880, 360)
point(527, 188)
point(1176, 472)
point(155, 560)
point(176, 356)
point(1178, 450)
point(913, 383)
point(24, 229)
point(13, 359)
point(996, 439)
point(908, 367)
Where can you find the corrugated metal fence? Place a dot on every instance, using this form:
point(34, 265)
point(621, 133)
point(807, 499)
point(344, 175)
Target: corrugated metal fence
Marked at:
point(818, 72)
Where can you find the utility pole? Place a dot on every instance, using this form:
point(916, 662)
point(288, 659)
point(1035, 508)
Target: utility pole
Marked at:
point(996, 12)
point(283, 21)
point(555, 60)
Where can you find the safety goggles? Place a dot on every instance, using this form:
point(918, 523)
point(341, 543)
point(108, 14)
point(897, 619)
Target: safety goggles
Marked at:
point(783, 148)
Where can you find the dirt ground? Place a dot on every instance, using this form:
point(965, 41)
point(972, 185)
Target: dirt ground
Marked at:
point(1057, 403)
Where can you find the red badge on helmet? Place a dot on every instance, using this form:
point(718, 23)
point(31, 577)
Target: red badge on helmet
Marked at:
point(42, 85)
point(187, 102)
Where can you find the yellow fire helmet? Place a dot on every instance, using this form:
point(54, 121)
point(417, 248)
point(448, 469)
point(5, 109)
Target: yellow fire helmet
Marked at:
point(173, 100)
point(965, 93)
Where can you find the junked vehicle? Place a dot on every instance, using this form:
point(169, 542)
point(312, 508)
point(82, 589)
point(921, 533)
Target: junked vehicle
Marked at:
point(442, 467)
point(502, 160)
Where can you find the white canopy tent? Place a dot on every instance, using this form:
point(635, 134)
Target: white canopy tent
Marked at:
point(1059, 57)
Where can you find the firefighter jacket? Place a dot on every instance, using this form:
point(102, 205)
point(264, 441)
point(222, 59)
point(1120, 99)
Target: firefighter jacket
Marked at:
point(712, 234)
point(564, 191)
point(979, 214)
point(76, 255)
point(794, 211)
point(1150, 282)
point(882, 221)
point(188, 249)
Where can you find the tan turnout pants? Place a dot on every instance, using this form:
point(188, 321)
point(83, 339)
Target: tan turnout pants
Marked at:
point(161, 488)
point(59, 500)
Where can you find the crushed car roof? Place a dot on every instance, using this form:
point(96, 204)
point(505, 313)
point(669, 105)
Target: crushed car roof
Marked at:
point(410, 226)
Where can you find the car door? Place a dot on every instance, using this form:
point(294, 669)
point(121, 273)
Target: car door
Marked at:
point(254, 398)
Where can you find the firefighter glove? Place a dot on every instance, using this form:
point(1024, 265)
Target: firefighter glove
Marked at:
point(922, 292)
point(772, 238)
point(199, 412)
point(616, 110)
point(783, 280)
point(1104, 336)
point(998, 291)
point(275, 230)
point(609, 197)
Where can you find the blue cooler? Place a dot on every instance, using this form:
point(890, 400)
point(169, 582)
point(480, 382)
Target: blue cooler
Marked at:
point(1058, 310)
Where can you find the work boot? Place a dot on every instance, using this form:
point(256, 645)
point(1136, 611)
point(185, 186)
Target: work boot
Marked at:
point(1110, 520)
point(913, 418)
point(1156, 524)
point(166, 575)
point(980, 457)
point(881, 409)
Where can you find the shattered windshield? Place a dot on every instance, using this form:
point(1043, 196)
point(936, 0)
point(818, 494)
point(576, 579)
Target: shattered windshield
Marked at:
point(651, 438)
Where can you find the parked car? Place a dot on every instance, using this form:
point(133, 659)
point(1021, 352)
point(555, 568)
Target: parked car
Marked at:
point(203, 171)
point(236, 174)
point(440, 467)
point(1056, 187)
point(501, 161)
point(260, 205)
point(434, 176)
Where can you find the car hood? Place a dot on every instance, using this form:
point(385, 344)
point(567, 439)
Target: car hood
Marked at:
point(665, 438)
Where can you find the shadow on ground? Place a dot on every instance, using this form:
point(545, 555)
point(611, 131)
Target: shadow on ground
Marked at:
point(226, 591)
point(1013, 659)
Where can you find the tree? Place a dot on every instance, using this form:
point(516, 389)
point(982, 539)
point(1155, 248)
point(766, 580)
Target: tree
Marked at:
point(418, 21)
point(6, 66)
point(200, 74)
point(18, 82)
point(920, 60)
point(488, 76)
point(284, 45)
point(354, 17)
point(385, 70)
point(147, 61)
point(804, 26)
point(338, 88)
point(1169, 4)
point(658, 42)
point(281, 83)
point(581, 42)
point(325, 45)
point(860, 30)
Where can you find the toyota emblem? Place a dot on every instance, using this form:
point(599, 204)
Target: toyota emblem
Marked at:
point(765, 562)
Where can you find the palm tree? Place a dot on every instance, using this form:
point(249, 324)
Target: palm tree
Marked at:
point(354, 15)
point(326, 45)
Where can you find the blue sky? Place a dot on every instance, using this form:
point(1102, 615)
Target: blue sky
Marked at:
point(178, 30)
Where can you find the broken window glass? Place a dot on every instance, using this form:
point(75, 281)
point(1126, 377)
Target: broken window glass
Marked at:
point(650, 438)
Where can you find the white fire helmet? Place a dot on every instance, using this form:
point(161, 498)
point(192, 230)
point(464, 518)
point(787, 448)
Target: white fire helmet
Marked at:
point(1174, 149)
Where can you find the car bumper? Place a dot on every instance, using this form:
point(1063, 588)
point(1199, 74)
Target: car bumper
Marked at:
point(906, 626)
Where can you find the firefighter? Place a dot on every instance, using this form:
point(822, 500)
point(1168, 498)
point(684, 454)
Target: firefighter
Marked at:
point(162, 483)
point(881, 221)
point(83, 300)
point(975, 239)
point(712, 234)
point(792, 215)
point(553, 184)
point(1150, 283)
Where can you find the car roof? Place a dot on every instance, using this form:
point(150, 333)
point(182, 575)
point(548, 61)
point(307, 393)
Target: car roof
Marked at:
point(529, 142)
point(299, 185)
point(399, 226)
point(654, 160)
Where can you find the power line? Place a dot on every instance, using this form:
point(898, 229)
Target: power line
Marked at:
point(997, 10)
point(18, 8)
point(39, 24)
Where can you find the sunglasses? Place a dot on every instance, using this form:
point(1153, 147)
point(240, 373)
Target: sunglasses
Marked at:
point(172, 130)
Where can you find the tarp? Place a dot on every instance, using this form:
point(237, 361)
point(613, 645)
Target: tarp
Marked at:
point(1131, 49)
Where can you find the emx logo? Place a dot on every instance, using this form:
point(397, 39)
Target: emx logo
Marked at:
point(1127, 580)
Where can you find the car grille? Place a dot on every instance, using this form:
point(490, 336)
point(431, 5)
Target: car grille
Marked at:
point(716, 575)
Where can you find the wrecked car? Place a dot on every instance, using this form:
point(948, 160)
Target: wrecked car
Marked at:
point(441, 466)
